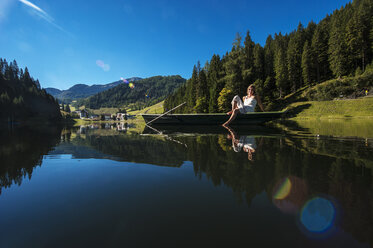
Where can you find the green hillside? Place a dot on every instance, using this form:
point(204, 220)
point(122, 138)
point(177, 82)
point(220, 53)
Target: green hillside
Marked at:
point(143, 93)
point(336, 98)
point(351, 108)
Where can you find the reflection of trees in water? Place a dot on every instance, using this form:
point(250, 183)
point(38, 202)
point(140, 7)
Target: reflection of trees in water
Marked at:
point(336, 168)
point(134, 148)
point(22, 149)
point(339, 169)
point(354, 192)
point(312, 172)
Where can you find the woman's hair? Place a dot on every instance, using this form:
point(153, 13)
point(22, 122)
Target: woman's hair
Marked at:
point(251, 86)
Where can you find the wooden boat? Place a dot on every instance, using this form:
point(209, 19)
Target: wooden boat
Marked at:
point(211, 119)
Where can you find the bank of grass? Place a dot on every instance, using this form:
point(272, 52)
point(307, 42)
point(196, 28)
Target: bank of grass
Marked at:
point(154, 109)
point(138, 121)
point(351, 108)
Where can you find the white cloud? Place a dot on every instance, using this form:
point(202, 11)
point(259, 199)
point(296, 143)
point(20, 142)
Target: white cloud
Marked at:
point(102, 65)
point(42, 14)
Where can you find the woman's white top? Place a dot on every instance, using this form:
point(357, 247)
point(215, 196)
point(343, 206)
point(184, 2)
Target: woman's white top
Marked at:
point(249, 104)
point(246, 106)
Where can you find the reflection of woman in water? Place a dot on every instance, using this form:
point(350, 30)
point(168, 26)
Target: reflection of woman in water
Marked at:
point(245, 143)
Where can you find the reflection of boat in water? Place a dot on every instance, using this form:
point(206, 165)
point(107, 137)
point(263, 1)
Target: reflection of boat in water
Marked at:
point(211, 119)
point(193, 129)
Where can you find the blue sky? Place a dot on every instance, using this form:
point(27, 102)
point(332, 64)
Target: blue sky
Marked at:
point(65, 42)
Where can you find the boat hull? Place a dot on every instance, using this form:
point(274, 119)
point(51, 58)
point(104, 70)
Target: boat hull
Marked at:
point(211, 119)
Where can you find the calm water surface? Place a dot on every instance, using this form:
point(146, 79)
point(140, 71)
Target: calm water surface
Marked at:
point(105, 186)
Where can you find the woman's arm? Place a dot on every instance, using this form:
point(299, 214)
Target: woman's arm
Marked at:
point(260, 103)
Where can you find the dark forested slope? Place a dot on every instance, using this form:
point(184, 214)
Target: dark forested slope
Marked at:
point(21, 97)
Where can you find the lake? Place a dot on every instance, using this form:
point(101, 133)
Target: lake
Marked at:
point(107, 186)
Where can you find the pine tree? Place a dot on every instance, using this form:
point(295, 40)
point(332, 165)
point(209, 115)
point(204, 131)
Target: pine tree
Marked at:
point(233, 67)
point(280, 65)
point(319, 49)
point(214, 82)
point(202, 93)
point(294, 58)
point(269, 89)
point(309, 31)
point(2, 67)
point(269, 57)
point(337, 47)
point(26, 76)
point(248, 75)
point(15, 70)
point(308, 71)
point(259, 62)
point(191, 89)
point(357, 35)
point(281, 72)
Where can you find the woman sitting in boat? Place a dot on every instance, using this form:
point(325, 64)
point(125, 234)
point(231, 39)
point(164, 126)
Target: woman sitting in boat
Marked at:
point(247, 105)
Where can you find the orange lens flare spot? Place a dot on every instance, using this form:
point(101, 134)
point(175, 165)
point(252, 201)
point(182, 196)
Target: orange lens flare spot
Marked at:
point(284, 190)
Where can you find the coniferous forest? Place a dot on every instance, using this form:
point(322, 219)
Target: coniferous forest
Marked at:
point(21, 97)
point(339, 46)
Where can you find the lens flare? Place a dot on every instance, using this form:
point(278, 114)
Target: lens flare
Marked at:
point(131, 85)
point(284, 190)
point(124, 80)
point(318, 215)
point(290, 194)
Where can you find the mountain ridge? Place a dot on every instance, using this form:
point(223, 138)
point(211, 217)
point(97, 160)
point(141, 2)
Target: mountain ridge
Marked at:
point(79, 91)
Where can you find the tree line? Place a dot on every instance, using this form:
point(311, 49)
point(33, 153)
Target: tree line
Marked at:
point(339, 45)
point(21, 97)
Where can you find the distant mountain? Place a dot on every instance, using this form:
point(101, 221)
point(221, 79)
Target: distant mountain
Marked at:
point(79, 91)
point(145, 92)
point(53, 91)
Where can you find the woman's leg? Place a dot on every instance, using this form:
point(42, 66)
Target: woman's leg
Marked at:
point(234, 106)
point(236, 103)
point(233, 116)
